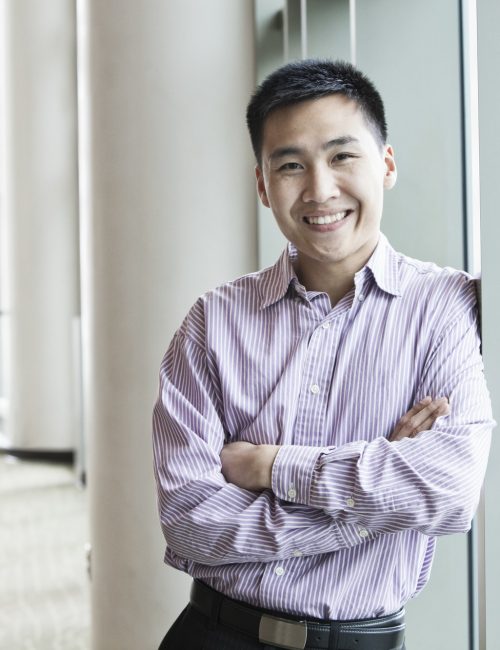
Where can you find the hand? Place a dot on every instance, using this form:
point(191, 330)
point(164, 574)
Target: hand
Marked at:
point(420, 418)
point(248, 466)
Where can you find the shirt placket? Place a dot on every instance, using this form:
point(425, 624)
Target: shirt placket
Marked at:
point(317, 369)
point(317, 372)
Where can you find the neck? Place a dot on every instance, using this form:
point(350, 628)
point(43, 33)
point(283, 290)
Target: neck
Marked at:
point(335, 282)
point(333, 278)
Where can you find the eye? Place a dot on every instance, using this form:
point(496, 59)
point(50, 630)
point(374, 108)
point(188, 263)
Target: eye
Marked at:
point(342, 156)
point(290, 166)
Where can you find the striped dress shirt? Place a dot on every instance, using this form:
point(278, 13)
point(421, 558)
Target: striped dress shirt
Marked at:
point(348, 529)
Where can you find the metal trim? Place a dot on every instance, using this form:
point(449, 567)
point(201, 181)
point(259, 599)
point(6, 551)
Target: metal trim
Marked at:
point(352, 30)
point(303, 29)
point(472, 263)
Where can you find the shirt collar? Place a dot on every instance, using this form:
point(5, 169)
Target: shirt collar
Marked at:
point(279, 277)
point(383, 265)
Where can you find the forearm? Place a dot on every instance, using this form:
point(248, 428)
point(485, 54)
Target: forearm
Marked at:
point(296, 476)
point(212, 522)
point(430, 483)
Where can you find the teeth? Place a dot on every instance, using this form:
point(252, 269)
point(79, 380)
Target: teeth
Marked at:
point(330, 218)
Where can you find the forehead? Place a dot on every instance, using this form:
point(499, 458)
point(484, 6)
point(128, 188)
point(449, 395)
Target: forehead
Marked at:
point(316, 121)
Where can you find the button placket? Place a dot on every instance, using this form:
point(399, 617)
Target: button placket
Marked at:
point(317, 371)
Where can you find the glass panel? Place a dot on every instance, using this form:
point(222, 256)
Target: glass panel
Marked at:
point(412, 52)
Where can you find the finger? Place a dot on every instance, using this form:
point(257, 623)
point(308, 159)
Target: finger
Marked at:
point(413, 422)
point(419, 406)
point(430, 412)
point(440, 409)
point(411, 425)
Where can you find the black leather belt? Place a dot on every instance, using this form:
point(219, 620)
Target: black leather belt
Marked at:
point(385, 633)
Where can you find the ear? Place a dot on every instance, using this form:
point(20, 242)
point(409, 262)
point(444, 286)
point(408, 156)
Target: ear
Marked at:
point(391, 172)
point(261, 187)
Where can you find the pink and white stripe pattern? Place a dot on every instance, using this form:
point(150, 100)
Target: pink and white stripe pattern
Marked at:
point(348, 530)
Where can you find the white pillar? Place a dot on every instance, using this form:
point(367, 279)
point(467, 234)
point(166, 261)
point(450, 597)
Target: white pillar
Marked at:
point(168, 211)
point(39, 176)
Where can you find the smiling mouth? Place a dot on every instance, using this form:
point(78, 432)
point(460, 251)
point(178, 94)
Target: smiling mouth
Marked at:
point(326, 219)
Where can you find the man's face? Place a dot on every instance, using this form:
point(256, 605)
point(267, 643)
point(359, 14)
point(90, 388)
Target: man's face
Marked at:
point(323, 175)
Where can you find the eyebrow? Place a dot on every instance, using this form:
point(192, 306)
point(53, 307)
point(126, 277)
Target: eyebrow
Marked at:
point(283, 152)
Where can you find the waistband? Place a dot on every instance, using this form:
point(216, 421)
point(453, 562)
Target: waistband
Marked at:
point(292, 633)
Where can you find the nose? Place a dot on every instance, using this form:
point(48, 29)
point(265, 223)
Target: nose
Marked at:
point(321, 185)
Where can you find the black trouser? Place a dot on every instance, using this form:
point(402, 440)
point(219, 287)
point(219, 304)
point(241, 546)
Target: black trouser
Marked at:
point(194, 631)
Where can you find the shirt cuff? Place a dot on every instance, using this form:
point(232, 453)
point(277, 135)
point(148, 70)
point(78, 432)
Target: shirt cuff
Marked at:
point(292, 472)
point(354, 534)
point(293, 479)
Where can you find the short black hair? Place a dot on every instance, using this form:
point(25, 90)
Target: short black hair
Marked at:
point(299, 81)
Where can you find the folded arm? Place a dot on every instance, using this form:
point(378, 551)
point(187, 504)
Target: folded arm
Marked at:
point(321, 499)
point(250, 466)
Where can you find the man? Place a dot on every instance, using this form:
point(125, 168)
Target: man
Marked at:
point(320, 422)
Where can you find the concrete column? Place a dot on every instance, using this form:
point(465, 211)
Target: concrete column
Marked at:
point(168, 211)
point(39, 174)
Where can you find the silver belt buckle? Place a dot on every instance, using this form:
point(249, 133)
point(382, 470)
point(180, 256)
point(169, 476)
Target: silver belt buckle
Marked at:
point(283, 633)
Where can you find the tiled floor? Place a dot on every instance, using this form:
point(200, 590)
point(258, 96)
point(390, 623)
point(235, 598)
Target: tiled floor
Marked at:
point(44, 591)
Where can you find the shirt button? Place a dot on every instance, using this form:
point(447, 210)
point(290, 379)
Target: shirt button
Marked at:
point(363, 532)
point(325, 326)
point(315, 389)
point(361, 297)
point(292, 493)
point(297, 553)
point(279, 570)
point(350, 502)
